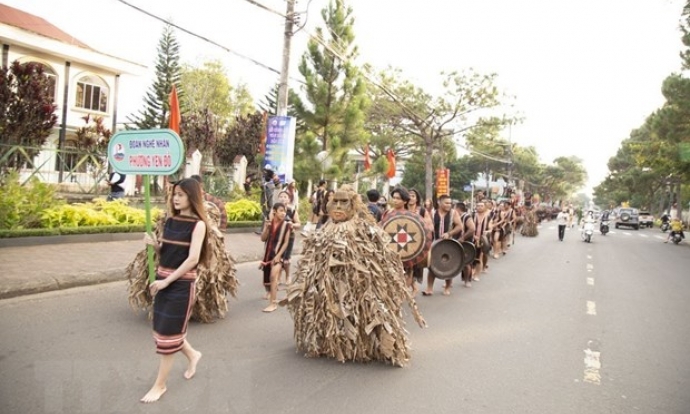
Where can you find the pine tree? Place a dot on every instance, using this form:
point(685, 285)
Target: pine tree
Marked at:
point(334, 89)
point(168, 73)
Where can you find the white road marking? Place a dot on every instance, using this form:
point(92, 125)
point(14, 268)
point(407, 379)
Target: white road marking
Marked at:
point(592, 367)
point(644, 235)
point(590, 281)
point(590, 267)
point(660, 237)
point(589, 257)
point(591, 308)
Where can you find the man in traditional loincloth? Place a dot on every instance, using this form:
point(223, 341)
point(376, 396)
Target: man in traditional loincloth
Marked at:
point(346, 300)
point(482, 218)
point(447, 225)
point(467, 235)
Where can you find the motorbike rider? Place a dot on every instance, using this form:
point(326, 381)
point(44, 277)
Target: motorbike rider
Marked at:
point(587, 219)
point(676, 228)
point(604, 219)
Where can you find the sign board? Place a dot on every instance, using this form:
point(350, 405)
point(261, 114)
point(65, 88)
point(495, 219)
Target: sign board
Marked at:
point(467, 188)
point(280, 145)
point(442, 182)
point(146, 152)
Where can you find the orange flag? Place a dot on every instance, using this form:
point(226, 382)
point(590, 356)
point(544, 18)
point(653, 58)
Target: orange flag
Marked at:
point(262, 139)
point(391, 163)
point(174, 122)
point(367, 161)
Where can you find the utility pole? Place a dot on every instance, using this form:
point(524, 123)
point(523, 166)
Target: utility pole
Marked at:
point(283, 85)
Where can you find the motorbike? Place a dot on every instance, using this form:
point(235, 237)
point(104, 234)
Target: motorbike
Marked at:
point(588, 232)
point(604, 227)
point(665, 226)
point(676, 238)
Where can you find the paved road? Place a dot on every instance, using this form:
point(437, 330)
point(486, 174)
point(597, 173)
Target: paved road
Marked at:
point(555, 327)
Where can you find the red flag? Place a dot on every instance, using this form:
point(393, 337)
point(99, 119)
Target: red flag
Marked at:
point(367, 161)
point(174, 122)
point(262, 142)
point(391, 163)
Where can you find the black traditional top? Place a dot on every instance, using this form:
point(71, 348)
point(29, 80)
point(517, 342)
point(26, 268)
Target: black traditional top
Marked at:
point(177, 238)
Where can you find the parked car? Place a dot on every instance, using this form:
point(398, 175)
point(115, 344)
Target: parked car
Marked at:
point(628, 217)
point(646, 219)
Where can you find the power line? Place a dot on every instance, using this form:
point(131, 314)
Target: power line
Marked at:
point(205, 39)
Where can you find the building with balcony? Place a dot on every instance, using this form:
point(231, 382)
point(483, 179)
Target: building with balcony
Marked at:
point(84, 82)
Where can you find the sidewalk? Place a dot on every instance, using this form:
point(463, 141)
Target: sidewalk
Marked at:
point(28, 270)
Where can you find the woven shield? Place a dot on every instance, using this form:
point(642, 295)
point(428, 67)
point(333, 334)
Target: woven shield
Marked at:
point(408, 237)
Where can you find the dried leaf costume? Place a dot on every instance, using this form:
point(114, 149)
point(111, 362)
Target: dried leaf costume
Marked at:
point(215, 280)
point(347, 298)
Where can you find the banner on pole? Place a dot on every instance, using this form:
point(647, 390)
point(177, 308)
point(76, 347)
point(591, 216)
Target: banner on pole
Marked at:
point(146, 152)
point(280, 145)
point(442, 182)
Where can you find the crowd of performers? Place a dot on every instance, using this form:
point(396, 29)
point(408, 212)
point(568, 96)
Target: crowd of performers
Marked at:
point(348, 291)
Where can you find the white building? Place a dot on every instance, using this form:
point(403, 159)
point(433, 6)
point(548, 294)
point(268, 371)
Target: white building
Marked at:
point(85, 81)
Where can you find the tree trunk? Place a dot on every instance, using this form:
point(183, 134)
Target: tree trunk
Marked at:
point(428, 170)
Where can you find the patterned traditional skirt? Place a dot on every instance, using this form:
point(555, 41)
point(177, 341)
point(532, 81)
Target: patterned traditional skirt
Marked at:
point(172, 308)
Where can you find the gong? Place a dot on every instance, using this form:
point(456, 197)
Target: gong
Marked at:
point(447, 258)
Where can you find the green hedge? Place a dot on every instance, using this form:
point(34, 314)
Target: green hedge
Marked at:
point(65, 231)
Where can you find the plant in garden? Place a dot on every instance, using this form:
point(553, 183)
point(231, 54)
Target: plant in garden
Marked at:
point(243, 210)
point(21, 205)
point(97, 213)
point(27, 113)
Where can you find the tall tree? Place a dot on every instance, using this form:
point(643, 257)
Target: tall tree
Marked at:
point(334, 89)
point(207, 88)
point(168, 73)
point(436, 119)
point(243, 138)
point(27, 112)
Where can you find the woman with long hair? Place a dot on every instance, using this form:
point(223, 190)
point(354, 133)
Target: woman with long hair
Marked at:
point(327, 197)
point(293, 219)
point(180, 250)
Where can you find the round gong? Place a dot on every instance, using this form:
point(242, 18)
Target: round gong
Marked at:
point(446, 259)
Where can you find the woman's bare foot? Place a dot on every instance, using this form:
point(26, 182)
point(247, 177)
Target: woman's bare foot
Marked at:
point(446, 291)
point(154, 394)
point(270, 308)
point(191, 367)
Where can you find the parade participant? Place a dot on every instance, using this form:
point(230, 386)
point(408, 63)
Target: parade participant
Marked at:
point(323, 217)
point(316, 201)
point(571, 216)
point(447, 225)
point(498, 221)
point(180, 249)
point(414, 205)
point(481, 230)
point(271, 184)
point(373, 197)
point(399, 198)
point(509, 226)
point(215, 200)
point(347, 297)
point(216, 278)
point(562, 221)
point(276, 235)
point(467, 235)
point(293, 219)
point(429, 206)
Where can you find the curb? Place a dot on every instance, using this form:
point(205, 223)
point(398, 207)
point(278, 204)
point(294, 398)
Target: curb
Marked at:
point(10, 289)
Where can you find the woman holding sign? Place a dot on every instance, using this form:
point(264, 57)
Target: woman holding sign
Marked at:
point(180, 249)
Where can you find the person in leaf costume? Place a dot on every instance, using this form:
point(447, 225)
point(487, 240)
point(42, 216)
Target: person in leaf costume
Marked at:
point(347, 297)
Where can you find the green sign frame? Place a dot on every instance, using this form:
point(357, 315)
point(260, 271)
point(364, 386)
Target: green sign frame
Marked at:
point(146, 152)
